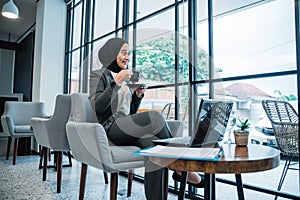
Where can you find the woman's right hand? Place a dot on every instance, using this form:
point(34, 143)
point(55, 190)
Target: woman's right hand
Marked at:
point(122, 76)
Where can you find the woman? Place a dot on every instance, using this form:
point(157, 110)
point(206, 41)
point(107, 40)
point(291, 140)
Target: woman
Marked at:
point(116, 107)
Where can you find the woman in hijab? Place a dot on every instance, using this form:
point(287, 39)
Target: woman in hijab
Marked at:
point(116, 107)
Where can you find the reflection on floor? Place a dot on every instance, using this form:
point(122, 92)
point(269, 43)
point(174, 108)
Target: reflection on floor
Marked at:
point(24, 181)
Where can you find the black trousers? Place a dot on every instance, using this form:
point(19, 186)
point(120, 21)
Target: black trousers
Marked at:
point(139, 130)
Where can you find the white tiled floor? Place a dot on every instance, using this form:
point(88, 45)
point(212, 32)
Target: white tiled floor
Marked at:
point(24, 181)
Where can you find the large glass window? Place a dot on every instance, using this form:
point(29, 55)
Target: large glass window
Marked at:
point(250, 40)
point(77, 23)
point(245, 51)
point(145, 8)
point(105, 17)
point(255, 40)
point(75, 72)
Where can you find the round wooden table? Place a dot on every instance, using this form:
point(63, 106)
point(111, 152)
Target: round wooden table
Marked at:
point(235, 160)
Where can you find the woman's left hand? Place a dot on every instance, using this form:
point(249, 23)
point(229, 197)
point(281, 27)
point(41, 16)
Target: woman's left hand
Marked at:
point(140, 91)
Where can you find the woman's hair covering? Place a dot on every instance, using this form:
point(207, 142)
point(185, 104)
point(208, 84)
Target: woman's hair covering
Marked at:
point(110, 50)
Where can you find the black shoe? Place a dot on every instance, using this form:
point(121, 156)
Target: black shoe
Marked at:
point(178, 178)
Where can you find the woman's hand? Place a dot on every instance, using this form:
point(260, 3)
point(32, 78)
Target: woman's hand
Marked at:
point(122, 76)
point(140, 91)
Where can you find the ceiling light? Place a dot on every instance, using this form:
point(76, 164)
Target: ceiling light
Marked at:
point(10, 10)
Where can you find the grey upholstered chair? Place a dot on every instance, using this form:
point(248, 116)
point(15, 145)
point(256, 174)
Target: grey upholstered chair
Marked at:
point(285, 123)
point(16, 121)
point(51, 134)
point(90, 145)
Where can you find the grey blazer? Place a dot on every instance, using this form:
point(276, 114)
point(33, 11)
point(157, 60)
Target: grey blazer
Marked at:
point(104, 97)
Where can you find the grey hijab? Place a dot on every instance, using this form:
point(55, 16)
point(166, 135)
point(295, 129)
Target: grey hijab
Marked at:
point(109, 52)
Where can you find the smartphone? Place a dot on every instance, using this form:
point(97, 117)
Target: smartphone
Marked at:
point(137, 85)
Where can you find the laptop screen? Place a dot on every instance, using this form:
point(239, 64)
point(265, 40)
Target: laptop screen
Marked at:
point(211, 122)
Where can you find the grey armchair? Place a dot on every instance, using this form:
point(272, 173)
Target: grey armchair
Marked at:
point(51, 134)
point(16, 121)
point(90, 145)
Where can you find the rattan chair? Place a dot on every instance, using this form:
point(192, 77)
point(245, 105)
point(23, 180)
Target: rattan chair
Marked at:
point(167, 110)
point(285, 123)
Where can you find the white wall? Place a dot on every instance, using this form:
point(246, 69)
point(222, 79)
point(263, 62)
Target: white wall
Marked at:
point(49, 52)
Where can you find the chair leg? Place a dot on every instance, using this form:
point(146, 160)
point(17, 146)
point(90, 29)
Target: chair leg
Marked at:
point(82, 181)
point(105, 177)
point(41, 156)
point(59, 169)
point(113, 185)
point(55, 160)
point(49, 154)
point(44, 156)
point(70, 158)
point(15, 150)
point(283, 174)
point(8, 147)
point(129, 184)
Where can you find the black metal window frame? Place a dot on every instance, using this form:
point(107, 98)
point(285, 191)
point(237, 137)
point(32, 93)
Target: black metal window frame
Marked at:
point(86, 46)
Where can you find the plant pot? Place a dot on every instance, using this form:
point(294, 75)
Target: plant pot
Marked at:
point(241, 137)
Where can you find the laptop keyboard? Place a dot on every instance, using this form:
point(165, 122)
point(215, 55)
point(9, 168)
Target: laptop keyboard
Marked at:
point(181, 140)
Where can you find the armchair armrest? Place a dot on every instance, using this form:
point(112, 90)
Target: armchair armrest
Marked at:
point(50, 131)
point(39, 127)
point(39, 119)
point(89, 144)
point(7, 125)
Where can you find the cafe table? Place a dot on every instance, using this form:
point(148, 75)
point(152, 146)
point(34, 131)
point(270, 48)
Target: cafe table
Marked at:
point(235, 160)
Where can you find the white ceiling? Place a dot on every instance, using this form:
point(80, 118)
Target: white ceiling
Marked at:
point(15, 28)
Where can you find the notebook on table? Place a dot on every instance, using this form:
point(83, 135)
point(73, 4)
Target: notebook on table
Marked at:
point(181, 153)
point(210, 125)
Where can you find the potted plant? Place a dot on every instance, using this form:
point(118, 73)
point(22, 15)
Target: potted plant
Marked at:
point(241, 135)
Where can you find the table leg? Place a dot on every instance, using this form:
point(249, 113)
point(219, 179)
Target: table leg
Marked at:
point(182, 185)
point(166, 183)
point(209, 186)
point(206, 186)
point(213, 186)
point(191, 190)
point(239, 186)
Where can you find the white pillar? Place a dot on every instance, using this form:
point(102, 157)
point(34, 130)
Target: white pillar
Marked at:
point(48, 70)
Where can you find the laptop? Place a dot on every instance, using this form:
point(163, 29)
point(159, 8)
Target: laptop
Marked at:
point(210, 125)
